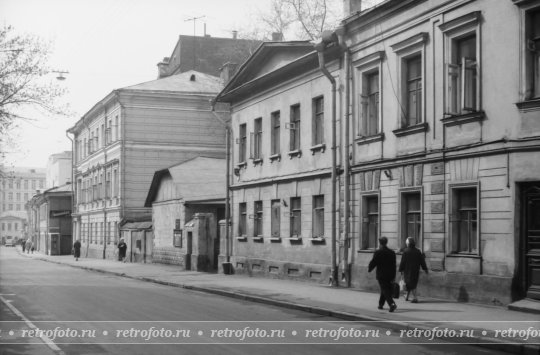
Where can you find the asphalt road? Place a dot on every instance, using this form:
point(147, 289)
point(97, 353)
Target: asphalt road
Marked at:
point(47, 308)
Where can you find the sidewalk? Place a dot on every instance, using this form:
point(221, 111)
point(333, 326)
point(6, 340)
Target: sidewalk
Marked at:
point(344, 303)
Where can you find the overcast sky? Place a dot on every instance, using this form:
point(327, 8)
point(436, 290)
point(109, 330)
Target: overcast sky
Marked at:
point(106, 45)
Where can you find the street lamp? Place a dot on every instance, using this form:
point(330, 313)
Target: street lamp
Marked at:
point(60, 73)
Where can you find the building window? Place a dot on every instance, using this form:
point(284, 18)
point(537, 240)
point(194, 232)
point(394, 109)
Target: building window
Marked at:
point(9, 227)
point(318, 120)
point(16, 225)
point(258, 219)
point(10, 196)
point(115, 232)
point(462, 64)
point(370, 221)
point(296, 218)
point(33, 184)
point(242, 143)
point(276, 218)
point(413, 92)
point(294, 127)
point(276, 132)
point(464, 220)
point(256, 140)
point(26, 196)
point(116, 191)
point(411, 217)
point(369, 104)
point(242, 219)
point(3, 226)
point(108, 192)
point(26, 184)
point(100, 186)
point(318, 216)
point(116, 128)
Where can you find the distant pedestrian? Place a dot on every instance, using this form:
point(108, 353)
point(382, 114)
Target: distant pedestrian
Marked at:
point(122, 248)
point(77, 250)
point(384, 259)
point(23, 244)
point(411, 261)
point(29, 246)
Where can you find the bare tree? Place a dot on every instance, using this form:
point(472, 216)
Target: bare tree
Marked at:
point(23, 86)
point(295, 19)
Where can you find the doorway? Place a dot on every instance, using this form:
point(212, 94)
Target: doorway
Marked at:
point(530, 239)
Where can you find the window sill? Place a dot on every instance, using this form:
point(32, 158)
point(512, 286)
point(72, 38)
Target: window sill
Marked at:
point(275, 239)
point(242, 238)
point(318, 240)
point(366, 251)
point(458, 255)
point(295, 239)
point(318, 148)
point(405, 131)
point(275, 157)
point(257, 161)
point(295, 153)
point(529, 105)
point(258, 238)
point(242, 165)
point(462, 119)
point(361, 140)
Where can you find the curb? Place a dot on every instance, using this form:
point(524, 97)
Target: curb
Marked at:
point(489, 343)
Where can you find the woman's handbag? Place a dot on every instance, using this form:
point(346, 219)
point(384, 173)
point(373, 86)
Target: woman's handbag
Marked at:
point(395, 290)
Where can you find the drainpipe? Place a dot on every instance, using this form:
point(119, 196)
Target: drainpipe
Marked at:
point(73, 155)
point(320, 47)
point(340, 32)
point(227, 179)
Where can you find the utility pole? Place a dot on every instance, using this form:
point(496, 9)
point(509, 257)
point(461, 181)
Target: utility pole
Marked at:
point(194, 19)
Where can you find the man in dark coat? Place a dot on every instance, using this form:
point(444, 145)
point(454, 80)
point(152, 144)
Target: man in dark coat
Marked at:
point(384, 260)
point(122, 248)
point(77, 250)
point(411, 261)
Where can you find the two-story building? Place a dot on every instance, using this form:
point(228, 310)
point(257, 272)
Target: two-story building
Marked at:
point(282, 159)
point(437, 124)
point(124, 139)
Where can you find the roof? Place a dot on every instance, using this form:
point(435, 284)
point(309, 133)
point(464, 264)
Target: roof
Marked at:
point(189, 82)
point(272, 64)
point(197, 179)
point(206, 54)
point(63, 188)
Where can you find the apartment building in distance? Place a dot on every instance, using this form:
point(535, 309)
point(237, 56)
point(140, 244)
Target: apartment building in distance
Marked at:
point(59, 169)
point(17, 185)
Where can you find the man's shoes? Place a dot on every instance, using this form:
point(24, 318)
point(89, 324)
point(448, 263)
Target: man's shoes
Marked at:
point(380, 307)
point(393, 308)
point(414, 301)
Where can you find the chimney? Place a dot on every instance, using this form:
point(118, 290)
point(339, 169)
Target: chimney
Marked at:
point(277, 36)
point(235, 34)
point(227, 71)
point(163, 67)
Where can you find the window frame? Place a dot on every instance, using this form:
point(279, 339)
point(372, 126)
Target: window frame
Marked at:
point(258, 215)
point(403, 214)
point(454, 31)
point(295, 221)
point(452, 208)
point(364, 225)
point(256, 140)
point(364, 67)
point(275, 220)
point(295, 122)
point(318, 225)
point(242, 143)
point(242, 220)
point(317, 120)
point(275, 121)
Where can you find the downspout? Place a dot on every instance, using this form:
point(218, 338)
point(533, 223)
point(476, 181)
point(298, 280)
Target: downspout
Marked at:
point(73, 155)
point(104, 184)
point(320, 47)
point(227, 180)
point(340, 32)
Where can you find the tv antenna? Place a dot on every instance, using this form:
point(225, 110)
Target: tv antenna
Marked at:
point(194, 19)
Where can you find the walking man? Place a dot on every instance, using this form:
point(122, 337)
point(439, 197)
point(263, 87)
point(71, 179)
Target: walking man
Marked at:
point(384, 260)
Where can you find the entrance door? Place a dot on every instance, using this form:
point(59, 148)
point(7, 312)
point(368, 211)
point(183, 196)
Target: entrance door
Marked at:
point(531, 239)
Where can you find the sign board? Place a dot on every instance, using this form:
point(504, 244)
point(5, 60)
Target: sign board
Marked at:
point(177, 236)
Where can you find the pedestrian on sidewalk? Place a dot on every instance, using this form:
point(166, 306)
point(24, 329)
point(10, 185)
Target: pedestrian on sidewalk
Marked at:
point(384, 259)
point(23, 244)
point(29, 245)
point(77, 250)
point(411, 261)
point(122, 247)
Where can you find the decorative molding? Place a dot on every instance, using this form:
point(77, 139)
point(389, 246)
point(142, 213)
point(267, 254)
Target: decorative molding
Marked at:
point(361, 140)
point(463, 119)
point(469, 20)
point(405, 131)
point(414, 41)
point(369, 60)
point(318, 148)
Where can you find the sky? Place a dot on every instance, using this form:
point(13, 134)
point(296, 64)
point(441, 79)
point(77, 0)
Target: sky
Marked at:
point(106, 45)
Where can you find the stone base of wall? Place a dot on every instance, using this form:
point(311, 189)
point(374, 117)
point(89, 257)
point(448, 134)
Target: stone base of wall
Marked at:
point(168, 255)
point(280, 269)
point(485, 289)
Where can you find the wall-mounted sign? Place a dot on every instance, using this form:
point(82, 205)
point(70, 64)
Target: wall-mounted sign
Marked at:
point(177, 236)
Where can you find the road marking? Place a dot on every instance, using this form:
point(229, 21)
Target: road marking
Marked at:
point(44, 338)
